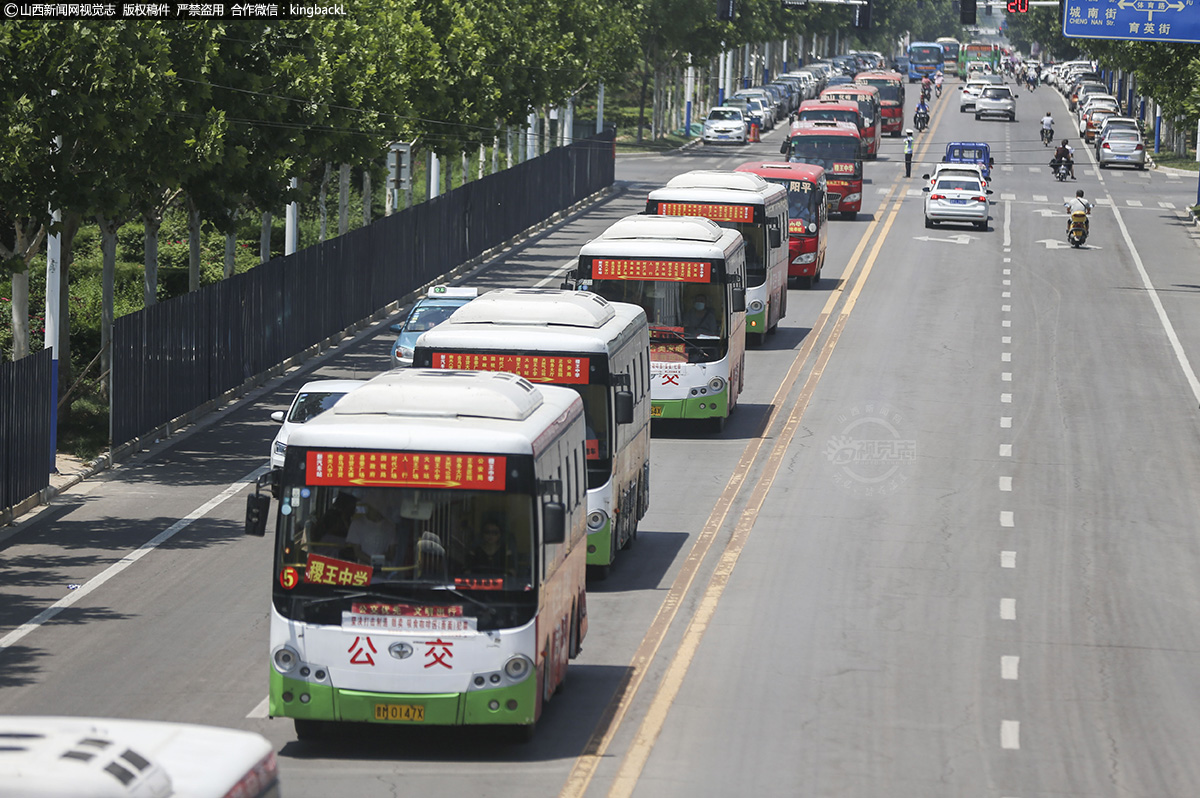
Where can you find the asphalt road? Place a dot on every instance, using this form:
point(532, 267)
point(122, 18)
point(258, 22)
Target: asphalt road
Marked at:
point(944, 547)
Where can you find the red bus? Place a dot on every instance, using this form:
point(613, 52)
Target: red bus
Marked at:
point(829, 111)
point(891, 97)
point(867, 98)
point(836, 147)
point(808, 213)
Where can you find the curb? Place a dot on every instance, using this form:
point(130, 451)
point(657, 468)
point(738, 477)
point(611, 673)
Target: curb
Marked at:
point(161, 436)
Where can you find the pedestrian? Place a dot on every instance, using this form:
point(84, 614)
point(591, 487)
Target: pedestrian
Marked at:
point(908, 151)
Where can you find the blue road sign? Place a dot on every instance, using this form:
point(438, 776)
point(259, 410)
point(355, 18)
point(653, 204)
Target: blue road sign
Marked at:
point(1141, 20)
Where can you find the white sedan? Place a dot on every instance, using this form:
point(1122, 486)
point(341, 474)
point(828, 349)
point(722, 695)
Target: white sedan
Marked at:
point(957, 199)
point(311, 401)
point(724, 125)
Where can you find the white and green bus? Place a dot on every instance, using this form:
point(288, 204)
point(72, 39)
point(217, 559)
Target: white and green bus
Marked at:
point(429, 553)
point(688, 275)
point(600, 349)
point(757, 209)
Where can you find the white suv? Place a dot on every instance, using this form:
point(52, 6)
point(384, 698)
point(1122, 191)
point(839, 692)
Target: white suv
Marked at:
point(996, 101)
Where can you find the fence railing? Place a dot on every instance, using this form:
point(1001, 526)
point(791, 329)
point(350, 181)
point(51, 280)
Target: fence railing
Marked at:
point(174, 356)
point(25, 418)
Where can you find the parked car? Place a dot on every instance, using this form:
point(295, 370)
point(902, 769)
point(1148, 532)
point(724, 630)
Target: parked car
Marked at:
point(428, 312)
point(996, 101)
point(313, 399)
point(1122, 147)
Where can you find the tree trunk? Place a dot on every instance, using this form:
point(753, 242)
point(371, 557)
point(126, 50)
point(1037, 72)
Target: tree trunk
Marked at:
point(230, 254)
point(642, 99)
point(193, 247)
point(70, 228)
point(20, 314)
point(150, 227)
point(264, 238)
point(322, 209)
point(343, 199)
point(108, 245)
point(367, 196)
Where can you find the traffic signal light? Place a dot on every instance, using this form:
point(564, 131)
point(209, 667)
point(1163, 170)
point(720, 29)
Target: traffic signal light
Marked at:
point(967, 12)
point(862, 16)
point(726, 10)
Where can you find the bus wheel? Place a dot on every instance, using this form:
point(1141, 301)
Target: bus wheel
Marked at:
point(755, 339)
point(717, 424)
point(520, 734)
point(309, 730)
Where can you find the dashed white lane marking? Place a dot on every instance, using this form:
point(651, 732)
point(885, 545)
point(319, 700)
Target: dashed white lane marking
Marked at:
point(1006, 294)
point(1006, 339)
point(129, 559)
point(1006, 519)
point(1006, 323)
point(1006, 282)
point(1040, 198)
point(1006, 398)
point(1006, 376)
point(1007, 271)
point(1010, 734)
point(1008, 260)
point(1134, 203)
point(1034, 169)
point(1006, 483)
point(1010, 668)
point(1006, 168)
point(1008, 196)
point(557, 274)
point(1008, 609)
point(1006, 308)
point(1099, 201)
point(1008, 559)
point(1170, 206)
point(1005, 422)
point(1006, 357)
point(1006, 450)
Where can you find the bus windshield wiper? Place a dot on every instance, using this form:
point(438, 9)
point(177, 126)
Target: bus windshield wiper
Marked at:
point(483, 605)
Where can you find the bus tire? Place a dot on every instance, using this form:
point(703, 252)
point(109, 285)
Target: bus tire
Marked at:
point(519, 734)
point(717, 424)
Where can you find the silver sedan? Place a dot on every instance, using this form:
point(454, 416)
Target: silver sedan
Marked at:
point(1123, 147)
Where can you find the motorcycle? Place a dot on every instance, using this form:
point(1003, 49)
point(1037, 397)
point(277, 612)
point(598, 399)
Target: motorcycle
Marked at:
point(1077, 230)
point(925, 93)
point(1062, 170)
point(921, 120)
point(937, 87)
point(1047, 136)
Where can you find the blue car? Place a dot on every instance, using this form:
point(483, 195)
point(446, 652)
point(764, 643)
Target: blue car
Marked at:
point(428, 312)
point(976, 152)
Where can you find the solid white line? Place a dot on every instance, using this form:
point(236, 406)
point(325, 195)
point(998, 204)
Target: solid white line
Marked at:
point(1008, 609)
point(1006, 519)
point(1008, 559)
point(128, 560)
point(1006, 450)
point(1009, 667)
point(1006, 398)
point(260, 711)
point(1006, 484)
point(1010, 734)
point(1005, 422)
point(1158, 308)
point(557, 274)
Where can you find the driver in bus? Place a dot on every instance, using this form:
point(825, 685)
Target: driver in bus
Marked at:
point(699, 318)
point(372, 533)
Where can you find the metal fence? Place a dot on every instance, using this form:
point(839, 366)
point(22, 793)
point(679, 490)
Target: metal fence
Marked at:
point(175, 356)
point(25, 417)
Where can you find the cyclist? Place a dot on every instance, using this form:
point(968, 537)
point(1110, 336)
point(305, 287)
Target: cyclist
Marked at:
point(1047, 128)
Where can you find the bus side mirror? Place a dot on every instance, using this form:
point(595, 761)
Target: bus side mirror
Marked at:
point(566, 286)
point(623, 403)
point(776, 238)
point(739, 299)
point(258, 506)
point(554, 522)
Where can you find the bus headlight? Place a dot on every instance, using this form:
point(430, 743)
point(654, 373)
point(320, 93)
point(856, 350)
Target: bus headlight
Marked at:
point(807, 257)
point(286, 659)
point(518, 668)
point(852, 198)
point(716, 384)
point(596, 520)
point(755, 307)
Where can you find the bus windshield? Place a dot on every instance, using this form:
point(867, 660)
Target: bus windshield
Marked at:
point(888, 90)
point(803, 203)
point(598, 436)
point(687, 320)
point(389, 538)
point(831, 152)
point(925, 55)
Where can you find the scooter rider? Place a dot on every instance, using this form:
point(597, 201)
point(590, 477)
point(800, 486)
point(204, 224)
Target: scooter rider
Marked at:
point(1065, 153)
point(921, 114)
point(938, 77)
point(1075, 205)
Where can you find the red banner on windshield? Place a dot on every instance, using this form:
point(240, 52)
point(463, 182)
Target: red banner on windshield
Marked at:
point(535, 368)
point(718, 213)
point(668, 270)
point(406, 470)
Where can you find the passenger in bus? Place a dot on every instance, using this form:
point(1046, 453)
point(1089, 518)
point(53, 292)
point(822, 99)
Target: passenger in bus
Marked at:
point(490, 555)
point(372, 533)
point(431, 556)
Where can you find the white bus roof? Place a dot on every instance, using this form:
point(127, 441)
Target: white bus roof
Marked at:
point(510, 322)
point(674, 237)
point(46, 756)
point(428, 410)
point(537, 306)
point(717, 186)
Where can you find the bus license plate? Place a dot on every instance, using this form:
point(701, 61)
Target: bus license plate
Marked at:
point(656, 411)
point(413, 713)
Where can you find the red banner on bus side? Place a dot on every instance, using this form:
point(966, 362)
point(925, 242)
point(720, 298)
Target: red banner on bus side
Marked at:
point(667, 270)
point(406, 470)
point(559, 370)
